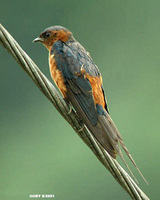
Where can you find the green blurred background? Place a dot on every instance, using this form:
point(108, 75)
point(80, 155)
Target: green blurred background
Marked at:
point(39, 151)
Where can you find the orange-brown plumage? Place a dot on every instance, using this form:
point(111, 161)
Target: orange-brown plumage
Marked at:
point(96, 83)
point(80, 82)
point(55, 36)
point(57, 76)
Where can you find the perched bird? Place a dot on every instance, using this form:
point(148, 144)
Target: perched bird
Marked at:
point(80, 82)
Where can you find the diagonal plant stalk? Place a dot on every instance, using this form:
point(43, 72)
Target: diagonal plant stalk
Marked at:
point(70, 115)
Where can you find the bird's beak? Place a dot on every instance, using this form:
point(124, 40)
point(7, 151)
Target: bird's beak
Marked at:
point(38, 39)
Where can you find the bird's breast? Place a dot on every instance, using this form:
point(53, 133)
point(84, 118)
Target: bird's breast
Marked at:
point(57, 76)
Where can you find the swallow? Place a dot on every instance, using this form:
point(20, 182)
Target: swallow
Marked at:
point(80, 82)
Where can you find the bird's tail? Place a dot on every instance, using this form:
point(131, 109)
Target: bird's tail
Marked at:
point(104, 131)
point(120, 140)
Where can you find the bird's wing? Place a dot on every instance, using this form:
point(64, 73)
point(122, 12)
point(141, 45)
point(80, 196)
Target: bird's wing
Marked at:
point(74, 62)
point(84, 88)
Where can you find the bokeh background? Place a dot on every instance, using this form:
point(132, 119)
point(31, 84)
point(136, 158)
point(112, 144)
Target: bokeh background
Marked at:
point(39, 151)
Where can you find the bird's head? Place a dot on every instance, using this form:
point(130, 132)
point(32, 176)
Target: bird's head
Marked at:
point(52, 34)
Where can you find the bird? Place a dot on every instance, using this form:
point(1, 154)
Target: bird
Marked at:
point(79, 80)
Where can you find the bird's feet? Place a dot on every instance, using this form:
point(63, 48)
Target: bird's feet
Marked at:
point(70, 108)
point(81, 129)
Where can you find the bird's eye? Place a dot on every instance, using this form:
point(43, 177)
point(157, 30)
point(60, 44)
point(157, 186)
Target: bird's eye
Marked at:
point(47, 34)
